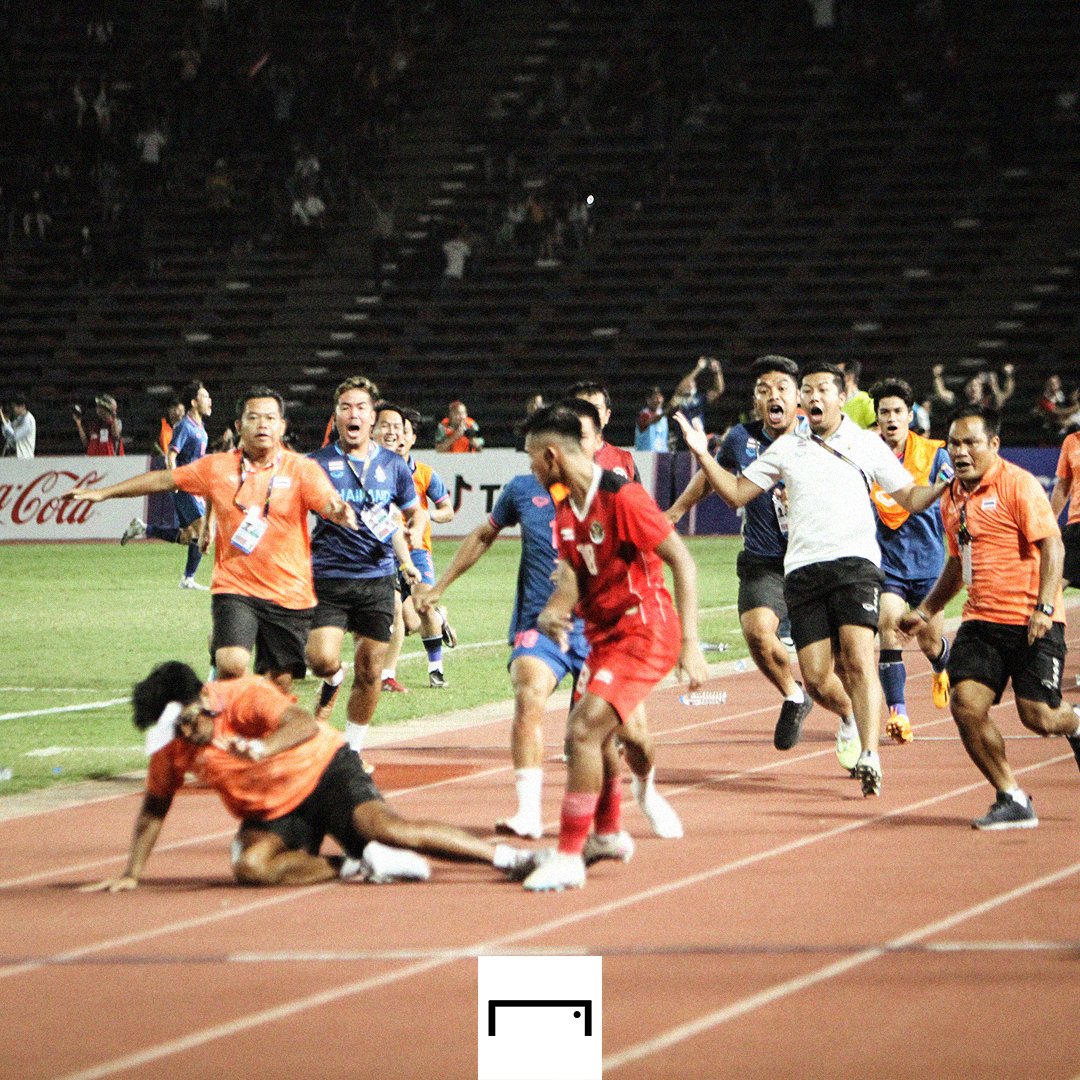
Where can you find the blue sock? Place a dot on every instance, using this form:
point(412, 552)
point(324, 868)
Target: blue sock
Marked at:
point(433, 648)
point(159, 532)
point(893, 677)
point(943, 658)
point(194, 557)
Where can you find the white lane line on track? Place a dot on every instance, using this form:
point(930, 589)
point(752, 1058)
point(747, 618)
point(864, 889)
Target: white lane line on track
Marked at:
point(88, 706)
point(240, 1024)
point(830, 971)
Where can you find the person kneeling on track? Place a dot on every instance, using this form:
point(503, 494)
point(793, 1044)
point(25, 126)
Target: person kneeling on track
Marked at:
point(290, 779)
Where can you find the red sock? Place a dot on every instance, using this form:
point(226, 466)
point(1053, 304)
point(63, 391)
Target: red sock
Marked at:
point(609, 808)
point(578, 808)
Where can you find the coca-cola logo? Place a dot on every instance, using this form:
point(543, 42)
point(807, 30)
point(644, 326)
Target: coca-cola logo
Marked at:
point(41, 501)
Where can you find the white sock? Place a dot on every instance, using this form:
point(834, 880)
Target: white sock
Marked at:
point(388, 673)
point(337, 678)
point(434, 665)
point(355, 734)
point(1076, 713)
point(1017, 795)
point(643, 788)
point(529, 784)
point(848, 728)
point(796, 695)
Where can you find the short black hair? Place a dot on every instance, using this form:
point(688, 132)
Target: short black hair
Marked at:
point(582, 409)
point(589, 386)
point(766, 365)
point(555, 420)
point(18, 398)
point(389, 406)
point(258, 392)
point(413, 416)
point(852, 368)
point(171, 681)
point(824, 368)
point(893, 388)
point(189, 392)
point(990, 417)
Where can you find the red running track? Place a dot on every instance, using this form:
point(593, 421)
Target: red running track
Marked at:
point(797, 930)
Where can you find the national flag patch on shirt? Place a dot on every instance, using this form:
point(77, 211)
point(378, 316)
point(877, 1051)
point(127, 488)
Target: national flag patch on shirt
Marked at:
point(990, 503)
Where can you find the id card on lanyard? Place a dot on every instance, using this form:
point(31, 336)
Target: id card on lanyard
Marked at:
point(256, 519)
point(374, 517)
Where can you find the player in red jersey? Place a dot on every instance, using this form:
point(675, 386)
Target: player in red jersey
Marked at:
point(612, 458)
point(613, 542)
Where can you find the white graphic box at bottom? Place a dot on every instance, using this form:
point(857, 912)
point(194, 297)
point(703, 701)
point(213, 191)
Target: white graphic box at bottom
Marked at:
point(539, 1017)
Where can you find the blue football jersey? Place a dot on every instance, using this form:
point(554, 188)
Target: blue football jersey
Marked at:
point(764, 519)
point(371, 483)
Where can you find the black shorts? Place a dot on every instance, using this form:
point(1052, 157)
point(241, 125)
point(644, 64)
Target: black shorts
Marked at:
point(328, 810)
point(1071, 536)
point(992, 654)
point(403, 587)
point(363, 606)
point(761, 584)
point(276, 634)
point(824, 596)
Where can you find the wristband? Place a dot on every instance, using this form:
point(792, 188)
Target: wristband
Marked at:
point(1045, 609)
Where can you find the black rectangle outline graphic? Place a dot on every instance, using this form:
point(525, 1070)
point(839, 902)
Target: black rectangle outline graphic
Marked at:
point(584, 1003)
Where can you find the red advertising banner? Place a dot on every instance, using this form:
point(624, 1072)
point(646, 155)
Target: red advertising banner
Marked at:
point(32, 506)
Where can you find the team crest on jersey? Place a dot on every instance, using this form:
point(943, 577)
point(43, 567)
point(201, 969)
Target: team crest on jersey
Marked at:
point(751, 443)
point(990, 503)
point(604, 676)
point(540, 501)
point(596, 532)
point(380, 474)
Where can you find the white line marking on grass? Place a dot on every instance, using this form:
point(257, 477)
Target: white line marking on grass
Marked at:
point(328, 997)
point(88, 707)
point(830, 971)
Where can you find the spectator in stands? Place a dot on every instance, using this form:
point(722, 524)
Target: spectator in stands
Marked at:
point(20, 432)
point(457, 251)
point(458, 432)
point(982, 388)
point(308, 209)
point(383, 226)
point(36, 219)
point(104, 438)
point(652, 423)
point(150, 141)
point(857, 404)
point(698, 388)
point(1053, 409)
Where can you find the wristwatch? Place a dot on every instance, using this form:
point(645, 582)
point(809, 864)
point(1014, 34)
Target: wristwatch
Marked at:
point(1046, 609)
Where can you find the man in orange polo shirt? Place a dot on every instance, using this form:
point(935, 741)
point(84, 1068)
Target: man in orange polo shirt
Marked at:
point(1067, 472)
point(290, 779)
point(1005, 546)
point(260, 493)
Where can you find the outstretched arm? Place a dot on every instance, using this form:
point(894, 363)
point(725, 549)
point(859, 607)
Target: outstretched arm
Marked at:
point(468, 554)
point(736, 491)
point(695, 491)
point(145, 484)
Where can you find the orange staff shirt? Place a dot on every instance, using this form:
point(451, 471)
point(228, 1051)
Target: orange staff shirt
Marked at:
point(1069, 466)
point(1007, 514)
point(279, 568)
point(250, 707)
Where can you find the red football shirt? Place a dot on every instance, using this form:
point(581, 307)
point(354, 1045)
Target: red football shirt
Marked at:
point(611, 547)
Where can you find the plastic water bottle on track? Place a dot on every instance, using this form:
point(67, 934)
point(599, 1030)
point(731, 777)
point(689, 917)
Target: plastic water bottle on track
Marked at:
point(713, 646)
point(704, 697)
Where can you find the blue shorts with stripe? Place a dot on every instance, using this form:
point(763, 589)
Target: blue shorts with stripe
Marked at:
point(541, 647)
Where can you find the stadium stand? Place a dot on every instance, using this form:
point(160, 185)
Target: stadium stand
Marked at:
point(900, 190)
